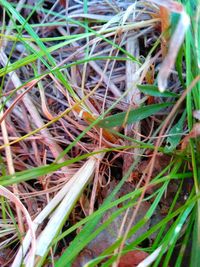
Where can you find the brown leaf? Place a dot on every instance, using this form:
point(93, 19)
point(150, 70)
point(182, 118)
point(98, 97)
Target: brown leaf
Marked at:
point(195, 132)
point(63, 2)
point(165, 23)
point(132, 258)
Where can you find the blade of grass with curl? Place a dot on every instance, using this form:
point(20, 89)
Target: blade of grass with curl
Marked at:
point(6, 193)
point(175, 42)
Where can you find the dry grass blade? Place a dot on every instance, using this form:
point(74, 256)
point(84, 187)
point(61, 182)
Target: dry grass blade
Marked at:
point(81, 178)
point(150, 259)
point(11, 169)
point(133, 97)
point(113, 88)
point(6, 193)
point(175, 42)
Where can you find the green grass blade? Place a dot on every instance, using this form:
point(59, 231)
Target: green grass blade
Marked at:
point(133, 116)
point(176, 133)
point(185, 243)
point(152, 90)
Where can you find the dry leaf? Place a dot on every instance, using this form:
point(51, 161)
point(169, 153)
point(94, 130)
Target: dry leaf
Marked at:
point(195, 132)
point(132, 258)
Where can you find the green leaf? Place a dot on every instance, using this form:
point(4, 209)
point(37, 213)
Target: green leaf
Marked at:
point(175, 134)
point(179, 66)
point(152, 90)
point(133, 115)
point(195, 253)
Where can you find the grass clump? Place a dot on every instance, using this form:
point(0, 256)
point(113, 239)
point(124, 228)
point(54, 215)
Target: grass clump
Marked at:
point(99, 133)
